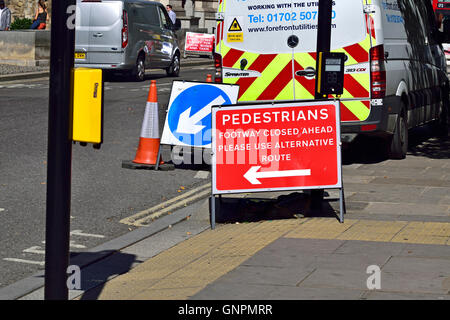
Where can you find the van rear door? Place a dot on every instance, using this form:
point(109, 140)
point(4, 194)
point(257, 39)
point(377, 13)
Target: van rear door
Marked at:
point(100, 31)
point(269, 48)
point(83, 14)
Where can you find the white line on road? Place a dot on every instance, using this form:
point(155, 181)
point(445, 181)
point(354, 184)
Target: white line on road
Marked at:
point(202, 68)
point(72, 244)
point(168, 206)
point(41, 263)
point(158, 85)
point(201, 175)
point(35, 249)
point(81, 234)
point(40, 250)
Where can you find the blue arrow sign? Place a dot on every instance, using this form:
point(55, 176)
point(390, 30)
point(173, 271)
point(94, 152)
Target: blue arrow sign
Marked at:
point(189, 117)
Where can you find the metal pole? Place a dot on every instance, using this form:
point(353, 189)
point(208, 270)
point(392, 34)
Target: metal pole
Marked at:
point(158, 158)
point(59, 158)
point(323, 45)
point(323, 33)
point(213, 212)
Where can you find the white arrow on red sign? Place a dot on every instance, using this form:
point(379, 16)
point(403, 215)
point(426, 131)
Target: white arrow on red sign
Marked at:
point(252, 175)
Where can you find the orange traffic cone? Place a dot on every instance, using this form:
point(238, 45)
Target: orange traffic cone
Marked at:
point(149, 140)
point(149, 143)
point(208, 78)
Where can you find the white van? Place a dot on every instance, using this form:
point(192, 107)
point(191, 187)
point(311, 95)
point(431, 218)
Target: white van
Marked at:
point(395, 70)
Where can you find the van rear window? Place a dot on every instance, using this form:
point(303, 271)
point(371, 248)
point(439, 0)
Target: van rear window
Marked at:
point(102, 14)
point(263, 26)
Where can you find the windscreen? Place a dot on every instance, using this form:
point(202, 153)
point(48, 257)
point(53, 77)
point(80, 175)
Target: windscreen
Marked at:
point(263, 26)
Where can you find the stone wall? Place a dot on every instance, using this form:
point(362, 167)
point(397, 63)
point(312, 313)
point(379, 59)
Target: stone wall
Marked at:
point(25, 8)
point(25, 47)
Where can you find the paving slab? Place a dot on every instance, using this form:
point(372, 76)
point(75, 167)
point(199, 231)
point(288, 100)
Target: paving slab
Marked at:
point(380, 295)
point(303, 293)
point(408, 209)
point(381, 188)
point(445, 200)
point(337, 278)
point(306, 245)
point(436, 173)
point(415, 282)
point(411, 265)
point(252, 274)
point(386, 172)
point(354, 262)
point(235, 291)
point(394, 197)
point(437, 192)
point(356, 179)
point(371, 248)
point(409, 181)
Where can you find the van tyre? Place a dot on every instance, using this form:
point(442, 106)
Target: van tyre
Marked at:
point(399, 142)
point(138, 73)
point(174, 69)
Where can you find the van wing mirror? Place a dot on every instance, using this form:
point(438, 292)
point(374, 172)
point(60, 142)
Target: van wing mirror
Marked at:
point(177, 25)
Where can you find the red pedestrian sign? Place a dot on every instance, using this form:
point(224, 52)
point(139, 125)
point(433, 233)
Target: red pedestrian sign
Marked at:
point(276, 147)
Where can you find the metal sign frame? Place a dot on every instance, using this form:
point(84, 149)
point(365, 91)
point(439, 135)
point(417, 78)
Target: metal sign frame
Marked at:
point(249, 106)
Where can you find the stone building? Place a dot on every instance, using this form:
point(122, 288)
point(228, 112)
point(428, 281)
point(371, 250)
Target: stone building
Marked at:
point(194, 14)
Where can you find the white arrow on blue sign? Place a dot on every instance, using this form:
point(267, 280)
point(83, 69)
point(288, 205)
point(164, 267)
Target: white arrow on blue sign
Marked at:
point(188, 121)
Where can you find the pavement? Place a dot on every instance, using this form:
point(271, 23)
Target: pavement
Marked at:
point(394, 243)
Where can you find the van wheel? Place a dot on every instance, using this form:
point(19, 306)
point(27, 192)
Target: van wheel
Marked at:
point(399, 142)
point(174, 69)
point(139, 69)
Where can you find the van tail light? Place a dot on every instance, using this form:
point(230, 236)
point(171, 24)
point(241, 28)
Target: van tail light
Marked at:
point(218, 65)
point(377, 72)
point(124, 29)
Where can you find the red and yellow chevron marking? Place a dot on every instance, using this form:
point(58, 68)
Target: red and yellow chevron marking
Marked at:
point(277, 81)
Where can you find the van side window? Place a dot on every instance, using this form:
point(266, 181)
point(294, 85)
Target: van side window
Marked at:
point(151, 15)
point(138, 13)
point(165, 20)
point(415, 27)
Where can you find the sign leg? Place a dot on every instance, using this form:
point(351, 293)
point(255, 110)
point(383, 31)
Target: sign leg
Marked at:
point(213, 212)
point(343, 200)
point(158, 158)
point(341, 205)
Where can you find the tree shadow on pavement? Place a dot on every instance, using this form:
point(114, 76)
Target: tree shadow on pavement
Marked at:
point(425, 143)
point(296, 205)
point(99, 268)
point(364, 150)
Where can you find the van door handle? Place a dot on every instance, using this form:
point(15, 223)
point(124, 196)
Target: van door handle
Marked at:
point(98, 35)
point(308, 72)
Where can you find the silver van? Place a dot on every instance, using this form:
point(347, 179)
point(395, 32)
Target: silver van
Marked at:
point(127, 36)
